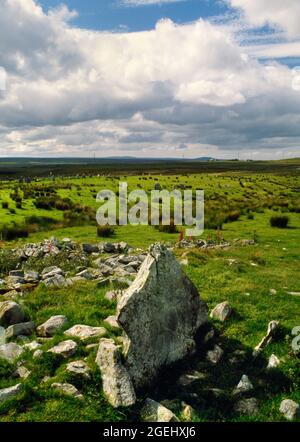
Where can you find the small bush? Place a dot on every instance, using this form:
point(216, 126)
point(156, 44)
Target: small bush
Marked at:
point(105, 231)
point(279, 221)
point(234, 215)
point(5, 205)
point(250, 215)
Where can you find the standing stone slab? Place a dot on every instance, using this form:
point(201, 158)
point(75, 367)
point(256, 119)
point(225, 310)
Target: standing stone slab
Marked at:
point(160, 313)
point(117, 385)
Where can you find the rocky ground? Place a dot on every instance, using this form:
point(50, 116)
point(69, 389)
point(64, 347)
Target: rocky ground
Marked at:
point(159, 319)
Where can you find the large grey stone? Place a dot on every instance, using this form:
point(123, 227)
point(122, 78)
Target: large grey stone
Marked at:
point(155, 412)
point(10, 392)
point(10, 313)
point(117, 385)
point(50, 327)
point(10, 352)
point(160, 313)
point(243, 386)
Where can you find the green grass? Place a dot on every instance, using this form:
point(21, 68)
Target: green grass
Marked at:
point(273, 263)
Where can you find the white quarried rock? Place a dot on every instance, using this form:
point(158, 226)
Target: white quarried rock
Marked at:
point(117, 384)
point(52, 325)
point(243, 386)
point(222, 311)
point(11, 352)
point(112, 322)
point(32, 346)
point(65, 349)
point(10, 392)
point(290, 409)
point(214, 356)
point(274, 362)
point(67, 389)
point(266, 340)
point(85, 332)
point(160, 313)
point(155, 412)
point(79, 368)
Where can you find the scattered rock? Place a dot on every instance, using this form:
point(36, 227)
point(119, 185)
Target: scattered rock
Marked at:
point(10, 352)
point(112, 322)
point(57, 281)
point(24, 328)
point(117, 385)
point(50, 327)
point(248, 407)
point(155, 412)
point(22, 372)
point(272, 328)
point(85, 332)
point(222, 311)
point(80, 369)
point(243, 386)
point(189, 378)
point(188, 412)
point(64, 349)
point(214, 356)
point(10, 313)
point(273, 292)
point(38, 354)
point(160, 313)
point(49, 272)
point(90, 248)
point(294, 293)
point(31, 276)
point(10, 392)
point(289, 409)
point(32, 346)
point(274, 362)
point(209, 336)
point(67, 389)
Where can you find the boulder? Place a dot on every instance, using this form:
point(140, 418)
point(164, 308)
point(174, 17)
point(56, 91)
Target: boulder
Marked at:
point(290, 409)
point(117, 385)
point(90, 248)
point(10, 392)
point(50, 327)
point(64, 349)
point(155, 412)
point(10, 313)
point(57, 281)
point(85, 332)
point(10, 352)
point(31, 276)
point(48, 272)
point(32, 346)
point(24, 329)
point(67, 389)
point(222, 311)
point(160, 313)
point(22, 372)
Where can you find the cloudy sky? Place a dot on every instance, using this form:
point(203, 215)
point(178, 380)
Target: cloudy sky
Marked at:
point(163, 78)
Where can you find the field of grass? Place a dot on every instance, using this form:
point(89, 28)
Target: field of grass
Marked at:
point(242, 275)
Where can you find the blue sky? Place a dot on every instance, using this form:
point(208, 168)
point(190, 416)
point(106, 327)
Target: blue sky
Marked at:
point(158, 82)
point(112, 14)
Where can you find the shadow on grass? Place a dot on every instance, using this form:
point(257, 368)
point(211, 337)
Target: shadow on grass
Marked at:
point(211, 392)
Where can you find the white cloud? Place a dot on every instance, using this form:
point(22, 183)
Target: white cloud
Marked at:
point(73, 91)
point(284, 14)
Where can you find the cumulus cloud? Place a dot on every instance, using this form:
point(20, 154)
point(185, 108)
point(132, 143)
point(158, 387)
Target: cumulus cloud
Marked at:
point(148, 2)
point(73, 91)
